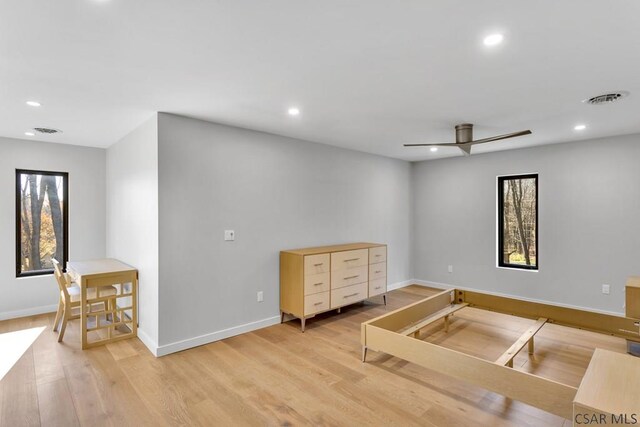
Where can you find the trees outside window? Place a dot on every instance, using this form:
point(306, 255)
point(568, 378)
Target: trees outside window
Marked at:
point(518, 221)
point(41, 221)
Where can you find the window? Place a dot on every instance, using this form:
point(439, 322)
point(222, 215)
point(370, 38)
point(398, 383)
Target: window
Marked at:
point(42, 221)
point(518, 221)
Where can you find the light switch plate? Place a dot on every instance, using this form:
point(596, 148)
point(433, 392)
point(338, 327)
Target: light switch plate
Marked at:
point(606, 289)
point(229, 235)
point(451, 269)
point(260, 296)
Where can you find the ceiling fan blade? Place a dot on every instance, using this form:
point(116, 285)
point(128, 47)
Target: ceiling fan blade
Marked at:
point(499, 137)
point(465, 146)
point(437, 144)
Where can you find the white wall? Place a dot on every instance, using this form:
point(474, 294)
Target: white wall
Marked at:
point(132, 217)
point(86, 168)
point(276, 193)
point(589, 228)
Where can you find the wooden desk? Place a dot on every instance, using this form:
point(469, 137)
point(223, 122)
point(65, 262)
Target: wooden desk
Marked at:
point(610, 389)
point(104, 272)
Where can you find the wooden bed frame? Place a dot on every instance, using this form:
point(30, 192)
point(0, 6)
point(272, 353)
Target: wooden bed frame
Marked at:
point(394, 333)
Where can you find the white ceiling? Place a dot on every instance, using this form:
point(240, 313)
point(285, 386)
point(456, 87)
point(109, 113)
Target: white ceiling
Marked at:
point(368, 75)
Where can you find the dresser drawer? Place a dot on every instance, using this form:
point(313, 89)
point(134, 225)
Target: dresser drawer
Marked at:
point(349, 259)
point(316, 303)
point(377, 286)
point(316, 264)
point(378, 270)
point(348, 295)
point(377, 254)
point(352, 276)
point(316, 283)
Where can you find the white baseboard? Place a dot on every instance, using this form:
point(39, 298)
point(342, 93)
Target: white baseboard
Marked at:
point(28, 312)
point(443, 286)
point(215, 336)
point(148, 342)
point(399, 285)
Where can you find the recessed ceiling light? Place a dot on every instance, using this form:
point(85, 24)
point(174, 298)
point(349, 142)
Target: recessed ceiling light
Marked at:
point(30, 134)
point(579, 127)
point(493, 39)
point(33, 103)
point(293, 111)
point(434, 149)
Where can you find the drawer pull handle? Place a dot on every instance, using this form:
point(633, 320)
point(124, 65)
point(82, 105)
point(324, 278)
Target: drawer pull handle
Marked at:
point(318, 265)
point(379, 271)
point(352, 277)
point(318, 303)
point(352, 259)
point(378, 287)
point(317, 284)
point(378, 255)
point(350, 295)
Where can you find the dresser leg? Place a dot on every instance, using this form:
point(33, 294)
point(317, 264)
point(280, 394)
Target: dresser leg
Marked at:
point(384, 297)
point(282, 317)
point(364, 353)
point(302, 321)
point(339, 310)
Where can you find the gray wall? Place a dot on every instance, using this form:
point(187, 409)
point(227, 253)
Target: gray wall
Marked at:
point(132, 217)
point(589, 229)
point(276, 193)
point(86, 168)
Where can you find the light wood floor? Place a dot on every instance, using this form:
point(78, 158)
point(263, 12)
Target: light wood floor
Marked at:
point(279, 376)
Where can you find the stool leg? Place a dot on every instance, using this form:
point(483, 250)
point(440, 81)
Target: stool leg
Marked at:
point(63, 327)
point(56, 322)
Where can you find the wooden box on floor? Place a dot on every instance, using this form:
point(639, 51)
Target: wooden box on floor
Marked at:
point(632, 300)
point(632, 309)
point(315, 280)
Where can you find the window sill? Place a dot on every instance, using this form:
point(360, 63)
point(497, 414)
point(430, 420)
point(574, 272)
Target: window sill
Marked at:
point(37, 274)
point(528, 270)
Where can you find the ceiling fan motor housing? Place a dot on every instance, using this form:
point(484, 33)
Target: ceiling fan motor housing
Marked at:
point(464, 133)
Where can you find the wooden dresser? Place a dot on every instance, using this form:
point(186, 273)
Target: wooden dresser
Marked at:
point(315, 280)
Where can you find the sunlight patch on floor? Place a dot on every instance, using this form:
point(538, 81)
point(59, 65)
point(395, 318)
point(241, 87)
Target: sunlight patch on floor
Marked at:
point(13, 345)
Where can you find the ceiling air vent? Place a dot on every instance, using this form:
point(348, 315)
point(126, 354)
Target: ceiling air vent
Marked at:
point(47, 131)
point(607, 98)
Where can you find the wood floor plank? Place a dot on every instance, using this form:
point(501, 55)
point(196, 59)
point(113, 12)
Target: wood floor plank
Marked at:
point(56, 405)
point(19, 405)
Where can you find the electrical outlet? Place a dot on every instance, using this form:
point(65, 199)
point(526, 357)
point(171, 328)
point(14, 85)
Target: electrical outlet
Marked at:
point(451, 269)
point(260, 296)
point(606, 289)
point(229, 235)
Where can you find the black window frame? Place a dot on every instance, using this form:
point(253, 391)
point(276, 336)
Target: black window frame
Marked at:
point(501, 262)
point(65, 220)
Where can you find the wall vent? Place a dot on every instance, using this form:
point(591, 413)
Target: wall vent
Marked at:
point(47, 131)
point(606, 98)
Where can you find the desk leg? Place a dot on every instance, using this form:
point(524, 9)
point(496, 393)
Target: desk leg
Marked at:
point(134, 304)
point(83, 311)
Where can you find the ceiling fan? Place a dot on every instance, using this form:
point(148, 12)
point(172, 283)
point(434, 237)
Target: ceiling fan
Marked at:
point(464, 138)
